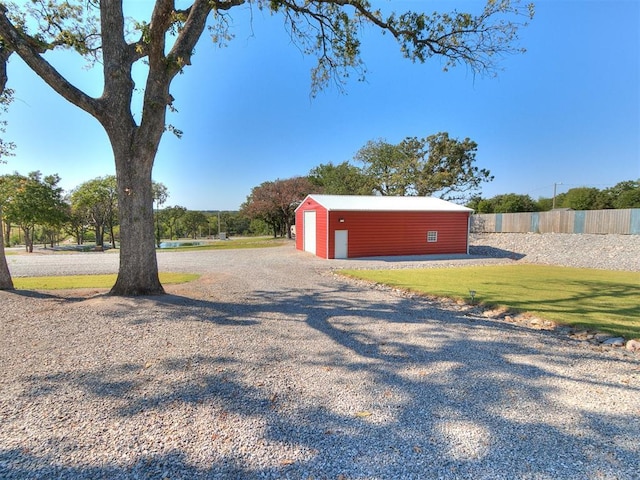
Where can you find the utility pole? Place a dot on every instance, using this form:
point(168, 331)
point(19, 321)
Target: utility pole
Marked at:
point(553, 203)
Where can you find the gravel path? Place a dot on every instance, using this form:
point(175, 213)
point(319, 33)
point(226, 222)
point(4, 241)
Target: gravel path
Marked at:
point(271, 367)
point(609, 252)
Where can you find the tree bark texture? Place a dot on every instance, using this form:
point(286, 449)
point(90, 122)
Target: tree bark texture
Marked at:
point(134, 146)
point(138, 272)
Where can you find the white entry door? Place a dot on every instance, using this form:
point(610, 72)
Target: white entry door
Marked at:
point(341, 244)
point(309, 236)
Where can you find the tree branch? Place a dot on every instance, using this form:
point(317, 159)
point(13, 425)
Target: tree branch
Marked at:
point(193, 27)
point(24, 46)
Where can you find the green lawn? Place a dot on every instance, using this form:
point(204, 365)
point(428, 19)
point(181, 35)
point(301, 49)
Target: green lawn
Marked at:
point(231, 244)
point(89, 281)
point(602, 300)
point(188, 244)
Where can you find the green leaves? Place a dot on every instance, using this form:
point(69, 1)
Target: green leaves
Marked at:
point(341, 179)
point(433, 165)
point(32, 200)
point(64, 24)
point(330, 31)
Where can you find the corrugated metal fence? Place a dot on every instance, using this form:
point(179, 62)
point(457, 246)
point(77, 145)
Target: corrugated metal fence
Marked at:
point(624, 221)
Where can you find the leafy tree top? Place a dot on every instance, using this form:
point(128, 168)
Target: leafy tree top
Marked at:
point(326, 29)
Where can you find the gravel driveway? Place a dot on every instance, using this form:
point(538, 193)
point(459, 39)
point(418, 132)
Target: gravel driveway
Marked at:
point(271, 367)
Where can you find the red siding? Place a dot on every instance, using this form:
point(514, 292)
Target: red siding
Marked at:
point(321, 233)
point(399, 233)
point(321, 226)
point(299, 230)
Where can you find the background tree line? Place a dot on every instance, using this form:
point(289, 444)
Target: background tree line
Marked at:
point(436, 165)
point(625, 194)
point(34, 209)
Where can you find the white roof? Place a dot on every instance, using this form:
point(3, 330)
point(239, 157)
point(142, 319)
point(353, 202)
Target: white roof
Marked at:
point(376, 203)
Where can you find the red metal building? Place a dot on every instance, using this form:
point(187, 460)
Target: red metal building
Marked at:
point(350, 226)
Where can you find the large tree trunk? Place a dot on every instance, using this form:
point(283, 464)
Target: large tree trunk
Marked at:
point(138, 272)
point(5, 276)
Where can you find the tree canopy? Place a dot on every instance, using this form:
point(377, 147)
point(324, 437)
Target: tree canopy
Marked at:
point(341, 179)
point(165, 44)
point(625, 194)
point(33, 200)
point(504, 203)
point(275, 202)
point(437, 165)
point(96, 202)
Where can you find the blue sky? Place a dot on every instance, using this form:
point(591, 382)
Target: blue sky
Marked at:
point(566, 111)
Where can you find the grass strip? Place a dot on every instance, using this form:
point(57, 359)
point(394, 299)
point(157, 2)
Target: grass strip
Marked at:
point(232, 244)
point(89, 281)
point(601, 300)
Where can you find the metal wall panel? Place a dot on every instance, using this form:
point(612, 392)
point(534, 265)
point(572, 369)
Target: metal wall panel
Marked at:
point(634, 227)
point(608, 221)
point(620, 221)
point(400, 233)
point(320, 230)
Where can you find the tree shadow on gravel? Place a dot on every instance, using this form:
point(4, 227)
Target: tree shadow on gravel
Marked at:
point(47, 295)
point(330, 382)
point(494, 252)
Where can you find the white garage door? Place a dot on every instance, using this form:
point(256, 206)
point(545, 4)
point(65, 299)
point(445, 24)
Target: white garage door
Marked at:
point(310, 232)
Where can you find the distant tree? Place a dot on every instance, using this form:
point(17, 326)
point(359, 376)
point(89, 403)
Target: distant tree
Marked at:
point(96, 201)
point(53, 227)
point(628, 199)
point(235, 223)
point(164, 46)
point(544, 204)
point(603, 200)
point(513, 203)
point(559, 201)
point(170, 217)
point(389, 170)
point(485, 206)
point(160, 196)
point(341, 179)
point(35, 201)
point(433, 166)
point(624, 194)
point(582, 198)
point(259, 227)
point(76, 225)
point(193, 222)
point(242, 225)
point(275, 202)
point(473, 202)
